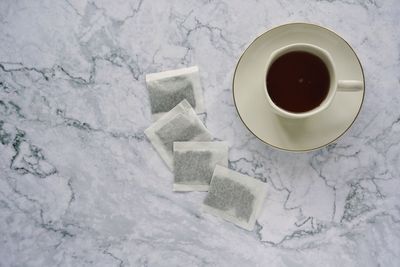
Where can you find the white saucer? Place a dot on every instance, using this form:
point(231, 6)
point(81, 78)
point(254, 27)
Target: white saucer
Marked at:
point(296, 134)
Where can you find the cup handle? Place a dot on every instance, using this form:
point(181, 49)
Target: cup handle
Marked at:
point(349, 85)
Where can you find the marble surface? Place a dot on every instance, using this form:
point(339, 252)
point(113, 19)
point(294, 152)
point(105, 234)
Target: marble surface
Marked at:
point(80, 185)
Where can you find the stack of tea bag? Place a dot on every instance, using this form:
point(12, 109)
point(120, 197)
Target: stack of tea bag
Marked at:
point(188, 149)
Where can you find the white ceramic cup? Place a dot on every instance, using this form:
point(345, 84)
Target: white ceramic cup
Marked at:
point(335, 85)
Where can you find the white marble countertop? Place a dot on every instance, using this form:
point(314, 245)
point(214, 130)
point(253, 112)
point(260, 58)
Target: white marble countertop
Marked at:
point(80, 185)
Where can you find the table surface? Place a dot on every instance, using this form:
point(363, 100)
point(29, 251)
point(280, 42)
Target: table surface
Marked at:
point(80, 185)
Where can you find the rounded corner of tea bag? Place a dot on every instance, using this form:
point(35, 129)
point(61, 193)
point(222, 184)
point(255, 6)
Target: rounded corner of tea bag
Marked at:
point(249, 228)
point(193, 69)
point(147, 78)
point(185, 104)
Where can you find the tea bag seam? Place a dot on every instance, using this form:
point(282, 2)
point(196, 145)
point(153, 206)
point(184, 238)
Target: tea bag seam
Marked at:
point(190, 188)
point(171, 73)
point(206, 145)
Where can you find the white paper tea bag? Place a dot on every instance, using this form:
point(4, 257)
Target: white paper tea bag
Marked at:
point(235, 197)
point(194, 164)
point(169, 88)
point(179, 124)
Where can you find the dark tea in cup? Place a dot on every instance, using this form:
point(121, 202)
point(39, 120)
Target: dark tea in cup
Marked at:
point(298, 81)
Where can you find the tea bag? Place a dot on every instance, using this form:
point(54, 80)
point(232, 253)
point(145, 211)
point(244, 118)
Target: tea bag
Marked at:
point(235, 197)
point(194, 163)
point(169, 88)
point(179, 124)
